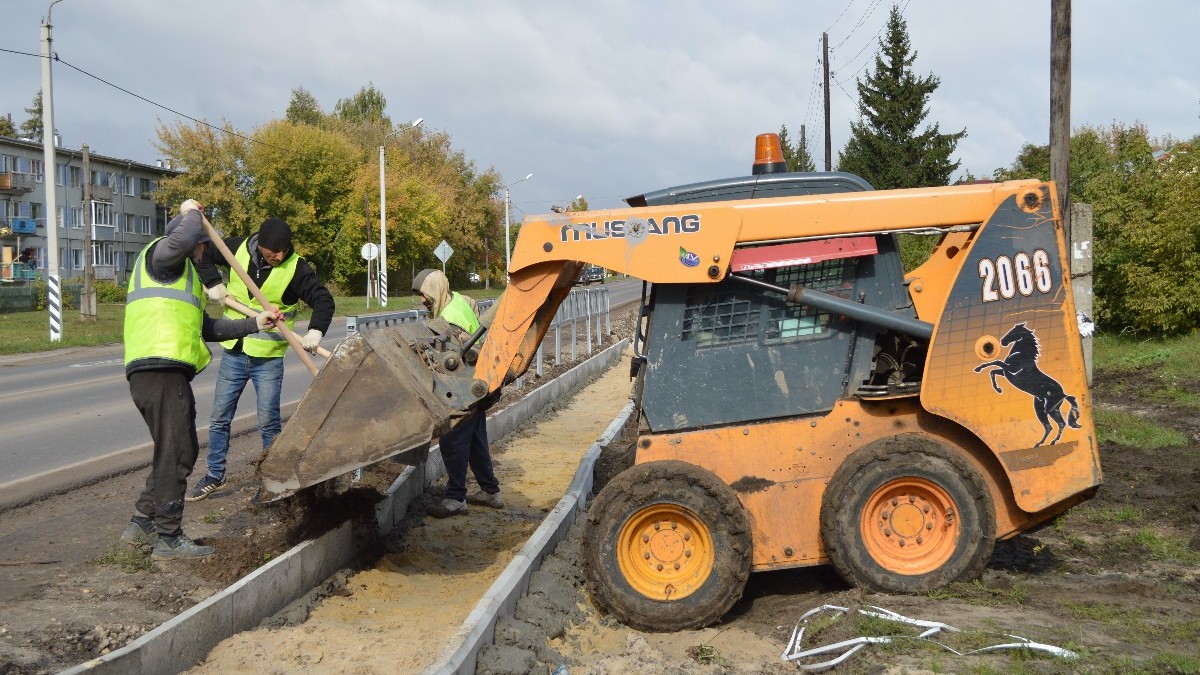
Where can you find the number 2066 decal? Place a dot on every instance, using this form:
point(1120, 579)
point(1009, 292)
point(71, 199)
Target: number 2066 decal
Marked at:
point(1004, 277)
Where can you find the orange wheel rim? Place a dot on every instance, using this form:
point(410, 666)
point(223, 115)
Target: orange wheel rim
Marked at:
point(665, 552)
point(910, 526)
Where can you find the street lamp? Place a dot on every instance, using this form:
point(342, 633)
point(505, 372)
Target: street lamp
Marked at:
point(507, 242)
point(383, 214)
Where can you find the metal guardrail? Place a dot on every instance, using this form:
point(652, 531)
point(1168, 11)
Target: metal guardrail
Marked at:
point(586, 308)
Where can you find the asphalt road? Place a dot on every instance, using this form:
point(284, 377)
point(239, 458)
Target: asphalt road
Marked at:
point(61, 408)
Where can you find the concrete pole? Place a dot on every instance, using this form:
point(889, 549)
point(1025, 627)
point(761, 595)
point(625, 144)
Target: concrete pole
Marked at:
point(54, 292)
point(1081, 246)
point(382, 233)
point(506, 251)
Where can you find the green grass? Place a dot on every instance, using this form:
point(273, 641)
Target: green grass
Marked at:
point(1160, 547)
point(1135, 432)
point(26, 332)
point(1172, 359)
point(129, 558)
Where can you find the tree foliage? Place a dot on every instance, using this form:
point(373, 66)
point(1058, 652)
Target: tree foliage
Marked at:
point(366, 107)
point(7, 128)
point(303, 108)
point(797, 155)
point(320, 172)
point(886, 146)
point(1146, 225)
point(32, 126)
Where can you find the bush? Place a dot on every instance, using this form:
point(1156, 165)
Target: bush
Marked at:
point(109, 292)
point(70, 296)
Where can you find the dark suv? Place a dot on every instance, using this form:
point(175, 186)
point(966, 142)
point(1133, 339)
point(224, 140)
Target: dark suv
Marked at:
point(591, 274)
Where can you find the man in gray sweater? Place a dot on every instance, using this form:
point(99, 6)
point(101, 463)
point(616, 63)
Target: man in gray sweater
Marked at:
point(165, 331)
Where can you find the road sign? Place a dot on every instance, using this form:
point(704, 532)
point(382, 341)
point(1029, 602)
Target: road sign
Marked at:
point(370, 251)
point(443, 251)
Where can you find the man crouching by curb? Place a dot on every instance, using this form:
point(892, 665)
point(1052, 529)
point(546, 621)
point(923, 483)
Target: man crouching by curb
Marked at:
point(165, 331)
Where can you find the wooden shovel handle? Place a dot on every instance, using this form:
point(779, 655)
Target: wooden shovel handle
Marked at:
point(262, 301)
point(237, 306)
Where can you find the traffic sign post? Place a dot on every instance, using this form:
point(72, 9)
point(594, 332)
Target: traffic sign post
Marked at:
point(370, 251)
point(443, 253)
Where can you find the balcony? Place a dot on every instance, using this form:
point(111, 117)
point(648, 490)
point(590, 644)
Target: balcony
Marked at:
point(102, 193)
point(23, 225)
point(15, 183)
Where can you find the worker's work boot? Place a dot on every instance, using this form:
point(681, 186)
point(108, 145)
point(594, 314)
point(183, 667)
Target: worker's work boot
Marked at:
point(488, 499)
point(179, 546)
point(140, 530)
point(207, 485)
point(447, 508)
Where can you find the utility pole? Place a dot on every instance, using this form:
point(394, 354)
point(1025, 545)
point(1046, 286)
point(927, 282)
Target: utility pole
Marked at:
point(54, 291)
point(828, 139)
point(87, 299)
point(803, 148)
point(1060, 106)
point(487, 266)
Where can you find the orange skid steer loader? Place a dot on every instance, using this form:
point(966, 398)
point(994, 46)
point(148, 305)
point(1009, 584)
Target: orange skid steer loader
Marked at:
point(801, 400)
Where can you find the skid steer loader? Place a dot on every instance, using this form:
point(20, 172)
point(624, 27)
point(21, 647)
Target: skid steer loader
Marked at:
point(801, 400)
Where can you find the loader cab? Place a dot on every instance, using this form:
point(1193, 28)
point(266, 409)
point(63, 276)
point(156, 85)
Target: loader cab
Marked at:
point(727, 353)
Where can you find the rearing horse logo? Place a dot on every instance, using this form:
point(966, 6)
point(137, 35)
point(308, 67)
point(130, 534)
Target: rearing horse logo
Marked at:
point(1020, 368)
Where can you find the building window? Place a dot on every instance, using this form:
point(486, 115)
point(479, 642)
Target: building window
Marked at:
point(37, 167)
point(76, 176)
point(130, 259)
point(145, 224)
point(60, 216)
point(102, 214)
point(60, 174)
point(102, 178)
point(130, 223)
point(75, 217)
point(103, 253)
point(77, 258)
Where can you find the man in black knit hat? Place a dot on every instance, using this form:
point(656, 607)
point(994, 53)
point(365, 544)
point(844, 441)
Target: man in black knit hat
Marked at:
point(285, 279)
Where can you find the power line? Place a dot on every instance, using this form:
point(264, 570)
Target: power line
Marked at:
point(873, 40)
point(839, 17)
point(143, 98)
point(861, 20)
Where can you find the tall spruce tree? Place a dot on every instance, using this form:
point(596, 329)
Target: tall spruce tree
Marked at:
point(797, 155)
point(32, 127)
point(885, 145)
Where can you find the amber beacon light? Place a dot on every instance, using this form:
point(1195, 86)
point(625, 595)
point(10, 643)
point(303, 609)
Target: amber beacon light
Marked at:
point(768, 155)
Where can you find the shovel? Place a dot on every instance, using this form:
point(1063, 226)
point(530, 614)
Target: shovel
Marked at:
point(262, 301)
point(239, 307)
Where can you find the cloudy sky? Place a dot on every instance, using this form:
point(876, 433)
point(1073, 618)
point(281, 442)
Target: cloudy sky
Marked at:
point(607, 98)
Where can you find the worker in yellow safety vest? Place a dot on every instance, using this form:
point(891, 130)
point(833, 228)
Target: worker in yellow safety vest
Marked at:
point(165, 331)
point(466, 445)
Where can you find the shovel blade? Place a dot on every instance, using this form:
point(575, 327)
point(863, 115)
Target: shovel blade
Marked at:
point(373, 399)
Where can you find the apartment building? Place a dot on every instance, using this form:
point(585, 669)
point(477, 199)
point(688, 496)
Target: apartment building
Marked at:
point(124, 215)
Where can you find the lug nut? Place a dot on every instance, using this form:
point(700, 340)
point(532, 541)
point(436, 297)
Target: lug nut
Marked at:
point(676, 565)
point(929, 526)
point(646, 555)
point(884, 515)
point(902, 542)
point(895, 501)
point(920, 540)
point(926, 509)
point(912, 499)
point(674, 525)
point(687, 536)
point(658, 567)
point(687, 553)
point(658, 526)
point(887, 533)
point(645, 538)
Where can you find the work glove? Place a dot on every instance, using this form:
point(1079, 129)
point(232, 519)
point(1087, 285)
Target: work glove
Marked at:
point(311, 340)
point(268, 319)
point(217, 293)
point(189, 205)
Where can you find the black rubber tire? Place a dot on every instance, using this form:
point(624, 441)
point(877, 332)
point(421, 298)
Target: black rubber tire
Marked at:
point(875, 465)
point(681, 484)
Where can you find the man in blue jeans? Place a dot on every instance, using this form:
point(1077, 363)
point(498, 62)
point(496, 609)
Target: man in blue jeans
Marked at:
point(284, 279)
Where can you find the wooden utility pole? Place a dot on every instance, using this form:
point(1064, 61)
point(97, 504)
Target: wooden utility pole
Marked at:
point(1060, 106)
point(87, 299)
point(803, 147)
point(828, 140)
point(487, 266)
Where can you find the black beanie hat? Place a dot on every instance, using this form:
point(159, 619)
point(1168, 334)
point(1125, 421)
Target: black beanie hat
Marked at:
point(275, 235)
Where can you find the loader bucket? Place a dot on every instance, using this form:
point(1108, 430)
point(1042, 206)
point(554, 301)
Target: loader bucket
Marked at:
point(373, 399)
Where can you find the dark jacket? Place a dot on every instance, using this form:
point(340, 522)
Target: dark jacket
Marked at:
point(305, 285)
point(165, 262)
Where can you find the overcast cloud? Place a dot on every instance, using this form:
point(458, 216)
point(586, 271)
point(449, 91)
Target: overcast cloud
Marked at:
point(606, 98)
